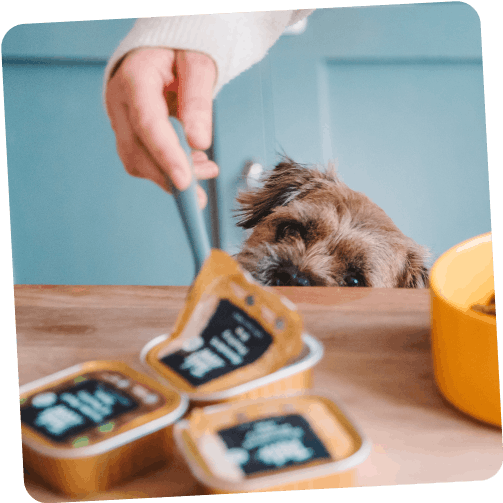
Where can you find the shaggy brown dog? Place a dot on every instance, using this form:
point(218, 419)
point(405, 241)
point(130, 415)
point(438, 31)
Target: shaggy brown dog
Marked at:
point(309, 228)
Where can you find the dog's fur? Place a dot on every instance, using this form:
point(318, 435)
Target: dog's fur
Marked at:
point(310, 229)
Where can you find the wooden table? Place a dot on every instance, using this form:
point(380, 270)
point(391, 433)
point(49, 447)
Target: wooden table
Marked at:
point(377, 363)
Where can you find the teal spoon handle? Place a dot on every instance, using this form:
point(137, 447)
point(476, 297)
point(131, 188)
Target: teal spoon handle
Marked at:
point(188, 207)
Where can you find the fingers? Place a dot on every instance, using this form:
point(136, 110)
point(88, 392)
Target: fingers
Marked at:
point(203, 168)
point(138, 110)
point(201, 197)
point(196, 74)
point(138, 163)
point(133, 155)
point(147, 74)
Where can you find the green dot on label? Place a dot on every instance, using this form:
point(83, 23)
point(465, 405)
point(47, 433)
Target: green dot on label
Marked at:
point(79, 379)
point(105, 428)
point(80, 442)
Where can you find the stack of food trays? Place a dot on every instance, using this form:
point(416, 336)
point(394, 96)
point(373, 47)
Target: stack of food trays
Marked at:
point(231, 385)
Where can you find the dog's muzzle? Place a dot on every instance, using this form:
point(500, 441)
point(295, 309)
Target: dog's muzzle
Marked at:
point(289, 276)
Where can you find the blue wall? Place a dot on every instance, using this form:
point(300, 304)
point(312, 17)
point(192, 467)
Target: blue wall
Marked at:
point(76, 216)
point(394, 93)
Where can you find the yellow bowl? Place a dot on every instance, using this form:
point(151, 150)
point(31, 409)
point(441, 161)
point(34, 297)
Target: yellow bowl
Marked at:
point(464, 345)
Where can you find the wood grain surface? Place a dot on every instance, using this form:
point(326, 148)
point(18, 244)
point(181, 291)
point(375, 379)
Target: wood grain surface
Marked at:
point(377, 365)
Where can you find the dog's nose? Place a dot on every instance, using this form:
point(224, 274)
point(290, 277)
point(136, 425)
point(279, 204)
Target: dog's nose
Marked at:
point(290, 276)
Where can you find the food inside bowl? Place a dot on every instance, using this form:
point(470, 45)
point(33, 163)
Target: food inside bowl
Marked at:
point(487, 308)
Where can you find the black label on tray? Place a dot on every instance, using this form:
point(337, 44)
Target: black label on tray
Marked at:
point(67, 412)
point(230, 340)
point(272, 444)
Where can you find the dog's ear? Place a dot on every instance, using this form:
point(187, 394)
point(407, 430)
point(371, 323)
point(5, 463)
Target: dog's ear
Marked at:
point(415, 273)
point(287, 181)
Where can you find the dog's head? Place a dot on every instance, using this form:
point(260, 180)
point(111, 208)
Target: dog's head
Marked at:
point(309, 228)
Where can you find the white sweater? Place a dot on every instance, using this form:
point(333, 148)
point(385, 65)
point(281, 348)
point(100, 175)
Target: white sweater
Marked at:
point(235, 41)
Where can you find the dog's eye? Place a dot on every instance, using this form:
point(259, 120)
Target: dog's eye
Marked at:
point(354, 278)
point(290, 230)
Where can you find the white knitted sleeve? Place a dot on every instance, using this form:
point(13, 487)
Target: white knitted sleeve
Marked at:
point(234, 41)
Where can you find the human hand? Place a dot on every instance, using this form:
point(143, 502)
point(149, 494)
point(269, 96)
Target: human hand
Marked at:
point(149, 85)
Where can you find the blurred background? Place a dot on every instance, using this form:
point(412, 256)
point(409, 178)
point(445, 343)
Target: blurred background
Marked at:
point(393, 94)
